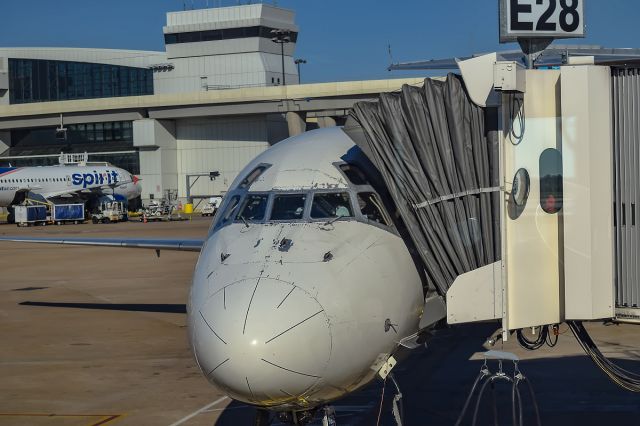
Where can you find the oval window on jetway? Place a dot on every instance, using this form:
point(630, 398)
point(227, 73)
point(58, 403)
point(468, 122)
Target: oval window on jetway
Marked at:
point(520, 187)
point(551, 180)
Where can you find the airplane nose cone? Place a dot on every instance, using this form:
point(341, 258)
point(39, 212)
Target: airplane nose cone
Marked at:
point(263, 340)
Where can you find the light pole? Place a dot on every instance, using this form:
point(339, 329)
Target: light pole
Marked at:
point(281, 37)
point(298, 62)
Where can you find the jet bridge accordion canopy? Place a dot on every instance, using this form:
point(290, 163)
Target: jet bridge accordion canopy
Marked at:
point(437, 153)
point(626, 139)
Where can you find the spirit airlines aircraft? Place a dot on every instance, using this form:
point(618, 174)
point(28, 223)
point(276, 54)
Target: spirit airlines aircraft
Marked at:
point(51, 182)
point(304, 287)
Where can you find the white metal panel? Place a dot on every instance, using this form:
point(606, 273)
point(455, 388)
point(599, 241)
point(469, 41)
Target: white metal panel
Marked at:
point(476, 295)
point(588, 192)
point(531, 241)
point(232, 16)
point(224, 145)
point(151, 174)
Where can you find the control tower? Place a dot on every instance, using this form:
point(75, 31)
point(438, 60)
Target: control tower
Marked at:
point(229, 47)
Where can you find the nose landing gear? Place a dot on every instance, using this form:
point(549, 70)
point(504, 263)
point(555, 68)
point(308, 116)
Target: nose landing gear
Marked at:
point(329, 418)
point(262, 418)
point(298, 418)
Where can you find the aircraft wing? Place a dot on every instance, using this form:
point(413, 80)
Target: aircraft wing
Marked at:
point(154, 244)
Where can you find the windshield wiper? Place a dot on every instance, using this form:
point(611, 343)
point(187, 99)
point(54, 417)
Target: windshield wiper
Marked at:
point(331, 221)
point(244, 220)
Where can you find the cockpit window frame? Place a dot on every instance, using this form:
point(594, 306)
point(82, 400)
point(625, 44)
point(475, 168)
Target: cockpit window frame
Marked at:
point(353, 213)
point(351, 189)
point(344, 166)
point(305, 210)
point(355, 189)
point(250, 179)
point(267, 209)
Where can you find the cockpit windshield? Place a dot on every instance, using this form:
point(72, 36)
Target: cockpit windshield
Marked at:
point(254, 207)
point(288, 206)
point(231, 208)
point(330, 205)
point(358, 202)
point(371, 208)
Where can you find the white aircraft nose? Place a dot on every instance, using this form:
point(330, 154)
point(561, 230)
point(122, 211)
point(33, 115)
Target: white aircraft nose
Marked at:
point(244, 334)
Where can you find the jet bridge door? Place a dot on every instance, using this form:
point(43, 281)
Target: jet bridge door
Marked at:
point(626, 136)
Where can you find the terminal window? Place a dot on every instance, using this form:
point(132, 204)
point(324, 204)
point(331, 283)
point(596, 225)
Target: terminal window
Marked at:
point(39, 80)
point(223, 34)
point(108, 141)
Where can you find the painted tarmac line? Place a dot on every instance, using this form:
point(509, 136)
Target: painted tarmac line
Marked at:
point(201, 410)
point(103, 418)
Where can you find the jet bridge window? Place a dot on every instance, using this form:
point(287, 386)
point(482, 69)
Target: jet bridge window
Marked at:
point(372, 209)
point(254, 207)
point(551, 180)
point(288, 206)
point(332, 204)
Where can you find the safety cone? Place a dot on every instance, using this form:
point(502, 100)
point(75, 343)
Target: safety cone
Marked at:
point(144, 218)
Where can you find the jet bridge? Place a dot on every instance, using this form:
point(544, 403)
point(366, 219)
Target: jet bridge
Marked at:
point(519, 188)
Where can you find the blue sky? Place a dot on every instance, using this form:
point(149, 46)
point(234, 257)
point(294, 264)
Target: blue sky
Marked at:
point(340, 39)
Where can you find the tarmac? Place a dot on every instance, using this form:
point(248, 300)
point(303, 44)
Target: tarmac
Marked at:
point(97, 336)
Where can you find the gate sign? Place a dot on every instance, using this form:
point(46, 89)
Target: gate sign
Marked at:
point(541, 19)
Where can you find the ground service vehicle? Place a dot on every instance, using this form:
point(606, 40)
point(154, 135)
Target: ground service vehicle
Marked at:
point(112, 211)
point(67, 213)
point(212, 206)
point(30, 215)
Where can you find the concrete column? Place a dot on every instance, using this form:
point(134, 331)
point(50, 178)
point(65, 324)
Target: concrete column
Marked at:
point(296, 121)
point(326, 122)
point(158, 156)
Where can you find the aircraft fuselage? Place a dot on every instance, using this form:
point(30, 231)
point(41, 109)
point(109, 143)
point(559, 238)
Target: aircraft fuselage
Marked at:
point(304, 285)
point(53, 181)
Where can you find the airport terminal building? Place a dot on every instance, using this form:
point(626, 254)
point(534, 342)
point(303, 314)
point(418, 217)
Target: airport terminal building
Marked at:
point(221, 92)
